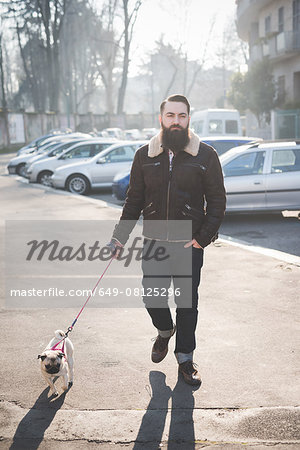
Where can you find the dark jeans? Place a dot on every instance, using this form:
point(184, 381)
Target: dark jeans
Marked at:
point(183, 267)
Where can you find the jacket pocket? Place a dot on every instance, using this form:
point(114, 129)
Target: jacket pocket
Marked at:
point(196, 165)
point(149, 210)
point(157, 163)
point(194, 213)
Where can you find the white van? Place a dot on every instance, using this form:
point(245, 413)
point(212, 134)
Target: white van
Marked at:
point(216, 122)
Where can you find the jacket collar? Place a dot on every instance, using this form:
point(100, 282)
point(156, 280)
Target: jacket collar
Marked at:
point(155, 145)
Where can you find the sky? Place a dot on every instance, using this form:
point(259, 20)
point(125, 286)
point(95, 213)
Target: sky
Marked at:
point(182, 22)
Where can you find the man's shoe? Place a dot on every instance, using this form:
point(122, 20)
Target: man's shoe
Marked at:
point(160, 348)
point(190, 373)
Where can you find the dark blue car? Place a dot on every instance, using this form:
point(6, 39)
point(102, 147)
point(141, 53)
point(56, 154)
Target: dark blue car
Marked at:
point(220, 143)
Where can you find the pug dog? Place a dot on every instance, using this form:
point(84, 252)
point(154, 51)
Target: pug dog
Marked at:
point(58, 362)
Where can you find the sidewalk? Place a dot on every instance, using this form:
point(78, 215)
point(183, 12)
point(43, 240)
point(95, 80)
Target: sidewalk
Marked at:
point(248, 356)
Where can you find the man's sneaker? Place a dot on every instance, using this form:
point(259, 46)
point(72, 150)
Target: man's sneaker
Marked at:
point(160, 347)
point(190, 373)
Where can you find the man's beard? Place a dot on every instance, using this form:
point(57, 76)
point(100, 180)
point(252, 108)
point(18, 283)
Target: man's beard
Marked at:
point(175, 138)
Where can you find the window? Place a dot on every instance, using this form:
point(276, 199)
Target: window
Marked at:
point(296, 15)
point(79, 152)
point(247, 164)
point(120, 154)
point(267, 25)
point(215, 126)
point(281, 19)
point(285, 161)
point(97, 148)
point(231, 126)
point(62, 148)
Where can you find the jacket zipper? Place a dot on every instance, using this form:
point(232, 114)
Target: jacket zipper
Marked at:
point(168, 193)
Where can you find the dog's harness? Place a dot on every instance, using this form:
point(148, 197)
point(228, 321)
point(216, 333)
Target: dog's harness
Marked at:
point(62, 349)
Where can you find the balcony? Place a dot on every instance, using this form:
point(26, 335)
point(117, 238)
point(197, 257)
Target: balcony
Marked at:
point(278, 46)
point(288, 41)
point(248, 12)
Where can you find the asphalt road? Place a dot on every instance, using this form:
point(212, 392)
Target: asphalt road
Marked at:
point(274, 231)
point(247, 352)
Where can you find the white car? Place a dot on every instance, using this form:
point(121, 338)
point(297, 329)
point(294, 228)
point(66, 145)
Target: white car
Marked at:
point(17, 164)
point(51, 151)
point(41, 139)
point(262, 177)
point(99, 171)
point(41, 171)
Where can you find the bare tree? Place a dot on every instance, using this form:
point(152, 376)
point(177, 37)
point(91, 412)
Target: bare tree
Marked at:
point(129, 18)
point(38, 26)
point(104, 50)
point(232, 53)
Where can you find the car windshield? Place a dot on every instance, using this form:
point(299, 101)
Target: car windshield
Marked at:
point(223, 146)
point(233, 151)
point(57, 149)
point(85, 151)
point(45, 148)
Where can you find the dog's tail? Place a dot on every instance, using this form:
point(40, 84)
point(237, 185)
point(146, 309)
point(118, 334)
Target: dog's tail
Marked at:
point(59, 334)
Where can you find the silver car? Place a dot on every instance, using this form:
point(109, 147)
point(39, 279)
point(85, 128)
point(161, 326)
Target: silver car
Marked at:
point(262, 177)
point(99, 171)
point(41, 171)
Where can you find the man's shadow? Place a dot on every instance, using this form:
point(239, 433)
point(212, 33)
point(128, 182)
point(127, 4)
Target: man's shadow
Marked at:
point(181, 433)
point(31, 430)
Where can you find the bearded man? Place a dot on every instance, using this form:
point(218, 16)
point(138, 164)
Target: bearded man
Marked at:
point(174, 178)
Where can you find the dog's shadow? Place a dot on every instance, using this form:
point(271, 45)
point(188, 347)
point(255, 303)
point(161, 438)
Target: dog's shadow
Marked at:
point(31, 430)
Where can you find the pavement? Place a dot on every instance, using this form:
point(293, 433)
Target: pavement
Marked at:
point(247, 353)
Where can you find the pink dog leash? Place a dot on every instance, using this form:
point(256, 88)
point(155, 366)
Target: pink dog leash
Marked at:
point(76, 318)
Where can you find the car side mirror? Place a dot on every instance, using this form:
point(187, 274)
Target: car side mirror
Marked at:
point(101, 161)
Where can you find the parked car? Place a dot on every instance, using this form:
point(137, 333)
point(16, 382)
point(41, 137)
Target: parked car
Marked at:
point(114, 132)
point(262, 177)
point(220, 143)
point(99, 171)
point(224, 143)
point(17, 164)
point(52, 150)
point(134, 134)
point(41, 171)
point(39, 140)
point(148, 133)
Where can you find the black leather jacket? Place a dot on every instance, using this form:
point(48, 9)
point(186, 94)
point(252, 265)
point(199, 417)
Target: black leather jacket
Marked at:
point(191, 189)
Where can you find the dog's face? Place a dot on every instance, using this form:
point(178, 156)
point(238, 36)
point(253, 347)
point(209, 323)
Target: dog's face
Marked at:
point(51, 361)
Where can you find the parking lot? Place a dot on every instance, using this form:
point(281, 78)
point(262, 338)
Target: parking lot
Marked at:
point(273, 231)
point(252, 309)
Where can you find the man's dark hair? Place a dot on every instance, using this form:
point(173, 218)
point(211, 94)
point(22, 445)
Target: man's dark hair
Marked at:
point(175, 98)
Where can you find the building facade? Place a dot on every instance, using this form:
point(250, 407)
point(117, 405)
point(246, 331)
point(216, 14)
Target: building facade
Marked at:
point(272, 28)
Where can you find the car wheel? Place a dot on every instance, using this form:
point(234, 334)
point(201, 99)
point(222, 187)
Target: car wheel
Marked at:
point(45, 178)
point(78, 184)
point(21, 170)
